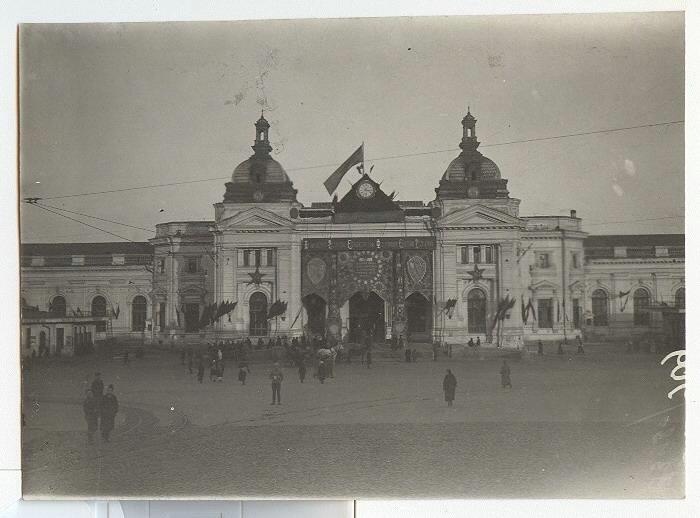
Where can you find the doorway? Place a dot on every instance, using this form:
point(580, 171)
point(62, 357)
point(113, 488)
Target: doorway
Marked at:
point(366, 316)
point(316, 311)
point(191, 317)
point(418, 316)
point(258, 314)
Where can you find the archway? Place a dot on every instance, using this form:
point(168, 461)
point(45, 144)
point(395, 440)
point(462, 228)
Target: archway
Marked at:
point(257, 305)
point(138, 313)
point(316, 311)
point(640, 306)
point(599, 303)
point(476, 311)
point(99, 309)
point(418, 316)
point(58, 306)
point(366, 316)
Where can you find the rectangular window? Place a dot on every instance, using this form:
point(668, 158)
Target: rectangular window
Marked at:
point(137, 259)
point(574, 260)
point(58, 261)
point(464, 254)
point(270, 257)
point(477, 254)
point(161, 265)
point(544, 313)
point(489, 255)
point(246, 257)
point(543, 260)
point(258, 256)
point(98, 260)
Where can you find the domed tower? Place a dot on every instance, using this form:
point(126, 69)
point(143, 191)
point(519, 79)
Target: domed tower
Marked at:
point(471, 174)
point(260, 179)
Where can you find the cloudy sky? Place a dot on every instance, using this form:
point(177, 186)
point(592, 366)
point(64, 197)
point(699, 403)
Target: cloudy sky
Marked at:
point(109, 107)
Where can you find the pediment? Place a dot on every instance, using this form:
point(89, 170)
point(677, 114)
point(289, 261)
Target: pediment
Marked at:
point(254, 219)
point(479, 215)
point(544, 285)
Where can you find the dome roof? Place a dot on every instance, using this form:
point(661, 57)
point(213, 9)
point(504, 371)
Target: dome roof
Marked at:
point(457, 170)
point(270, 169)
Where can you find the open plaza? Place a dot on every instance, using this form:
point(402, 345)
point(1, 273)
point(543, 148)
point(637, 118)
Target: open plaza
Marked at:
point(590, 425)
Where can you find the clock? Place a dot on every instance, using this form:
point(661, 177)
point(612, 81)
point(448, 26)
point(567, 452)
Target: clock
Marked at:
point(365, 190)
point(258, 196)
point(473, 192)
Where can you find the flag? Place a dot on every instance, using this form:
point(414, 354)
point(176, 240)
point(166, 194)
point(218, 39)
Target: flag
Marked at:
point(449, 307)
point(297, 317)
point(523, 310)
point(278, 308)
point(117, 313)
point(531, 307)
point(504, 305)
point(333, 180)
point(626, 296)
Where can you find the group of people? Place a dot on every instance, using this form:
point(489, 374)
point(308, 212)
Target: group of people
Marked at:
point(100, 409)
point(449, 382)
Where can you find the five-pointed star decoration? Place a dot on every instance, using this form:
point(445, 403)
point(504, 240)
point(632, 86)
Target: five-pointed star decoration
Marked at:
point(476, 274)
point(256, 277)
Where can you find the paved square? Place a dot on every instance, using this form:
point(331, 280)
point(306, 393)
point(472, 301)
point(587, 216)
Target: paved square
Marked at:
point(593, 426)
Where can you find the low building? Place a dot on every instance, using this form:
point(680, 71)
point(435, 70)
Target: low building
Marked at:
point(465, 264)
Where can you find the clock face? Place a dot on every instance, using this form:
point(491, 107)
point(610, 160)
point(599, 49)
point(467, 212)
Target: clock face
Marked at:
point(258, 195)
point(365, 190)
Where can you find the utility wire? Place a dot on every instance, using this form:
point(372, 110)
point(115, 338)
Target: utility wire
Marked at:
point(82, 222)
point(93, 217)
point(389, 157)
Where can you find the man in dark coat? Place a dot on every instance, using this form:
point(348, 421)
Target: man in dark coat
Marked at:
point(449, 385)
point(91, 408)
point(505, 375)
point(321, 371)
point(302, 369)
point(108, 411)
point(540, 348)
point(276, 377)
point(98, 386)
point(200, 368)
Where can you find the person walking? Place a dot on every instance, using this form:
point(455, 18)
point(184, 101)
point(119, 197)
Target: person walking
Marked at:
point(540, 348)
point(91, 409)
point(436, 348)
point(276, 376)
point(449, 385)
point(243, 371)
point(579, 350)
point(321, 371)
point(108, 412)
point(302, 369)
point(505, 375)
point(200, 368)
point(478, 341)
point(97, 387)
point(560, 349)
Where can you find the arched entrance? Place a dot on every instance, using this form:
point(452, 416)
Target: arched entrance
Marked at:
point(418, 316)
point(316, 312)
point(258, 314)
point(366, 316)
point(476, 311)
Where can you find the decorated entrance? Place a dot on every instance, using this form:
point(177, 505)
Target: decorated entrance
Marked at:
point(316, 311)
point(370, 274)
point(366, 317)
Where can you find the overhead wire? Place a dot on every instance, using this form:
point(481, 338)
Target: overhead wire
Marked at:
point(376, 159)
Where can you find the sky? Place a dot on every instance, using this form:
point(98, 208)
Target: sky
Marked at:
point(118, 106)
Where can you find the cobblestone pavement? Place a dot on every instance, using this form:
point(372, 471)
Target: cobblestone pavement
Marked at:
point(590, 426)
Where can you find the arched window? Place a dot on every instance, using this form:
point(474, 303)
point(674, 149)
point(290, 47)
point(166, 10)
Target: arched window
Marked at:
point(58, 306)
point(138, 313)
point(641, 307)
point(600, 308)
point(680, 298)
point(258, 314)
point(99, 309)
point(476, 311)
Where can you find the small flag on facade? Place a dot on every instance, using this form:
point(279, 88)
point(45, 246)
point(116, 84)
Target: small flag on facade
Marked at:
point(334, 179)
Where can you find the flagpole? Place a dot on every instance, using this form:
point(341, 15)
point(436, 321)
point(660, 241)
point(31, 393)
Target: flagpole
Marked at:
point(363, 157)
